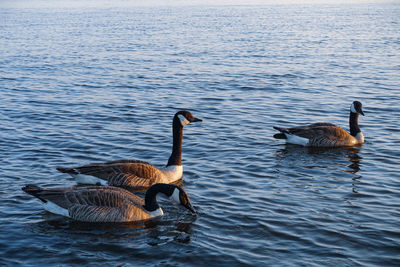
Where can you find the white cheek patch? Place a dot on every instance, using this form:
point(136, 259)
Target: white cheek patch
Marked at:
point(183, 120)
point(175, 196)
point(352, 108)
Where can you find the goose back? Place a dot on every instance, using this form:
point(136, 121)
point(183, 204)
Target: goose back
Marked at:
point(124, 173)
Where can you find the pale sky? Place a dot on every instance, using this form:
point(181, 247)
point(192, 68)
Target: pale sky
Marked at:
point(127, 3)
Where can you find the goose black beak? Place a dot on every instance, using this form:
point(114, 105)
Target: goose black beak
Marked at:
point(361, 112)
point(196, 119)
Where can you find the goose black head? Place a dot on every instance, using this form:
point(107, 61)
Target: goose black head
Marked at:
point(180, 197)
point(356, 107)
point(185, 117)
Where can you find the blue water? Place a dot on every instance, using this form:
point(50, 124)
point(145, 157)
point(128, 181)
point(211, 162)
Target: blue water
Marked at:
point(92, 85)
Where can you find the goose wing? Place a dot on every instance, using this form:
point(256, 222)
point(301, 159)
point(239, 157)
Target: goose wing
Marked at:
point(133, 175)
point(321, 124)
point(126, 161)
point(313, 130)
point(123, 173)
point(324, 135)
point(94, 203)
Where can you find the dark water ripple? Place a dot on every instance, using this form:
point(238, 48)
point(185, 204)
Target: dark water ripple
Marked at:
point(88, 85)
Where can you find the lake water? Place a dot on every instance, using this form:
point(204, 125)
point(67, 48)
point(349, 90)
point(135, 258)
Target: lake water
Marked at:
point(92, 85)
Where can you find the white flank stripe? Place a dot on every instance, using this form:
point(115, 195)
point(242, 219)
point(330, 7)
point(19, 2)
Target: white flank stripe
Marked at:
point(87, 179)
point(297, 140)
point(53, 208)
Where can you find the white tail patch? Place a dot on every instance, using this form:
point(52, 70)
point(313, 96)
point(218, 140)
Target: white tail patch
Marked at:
point(297, 140)
point(87, 179)
point(53, 208)
point(183, 120)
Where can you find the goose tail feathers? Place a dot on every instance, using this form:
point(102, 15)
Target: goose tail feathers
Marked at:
point(282, 134)
point(67, 170)
point(34, 191)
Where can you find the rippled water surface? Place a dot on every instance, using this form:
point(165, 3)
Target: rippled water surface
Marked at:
point(89, 85)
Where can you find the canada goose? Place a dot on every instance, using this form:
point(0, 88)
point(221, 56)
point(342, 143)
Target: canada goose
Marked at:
point(325, 134)
point(107, 203)
point(135, 173)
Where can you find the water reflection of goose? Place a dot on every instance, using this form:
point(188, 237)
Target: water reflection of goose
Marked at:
point(354, 159)
point(107, 203)
point(323, 153)
point(325, 134)
point(297, 161)
point(137, 173)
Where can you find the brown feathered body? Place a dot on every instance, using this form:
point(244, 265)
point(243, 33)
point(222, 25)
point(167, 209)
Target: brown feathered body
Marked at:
point(320, 135)
point(92, 204)
point(125, 173)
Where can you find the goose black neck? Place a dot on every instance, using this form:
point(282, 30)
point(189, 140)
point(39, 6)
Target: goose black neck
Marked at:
point(177, 134)
point(354, 128)
point(150, 199)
